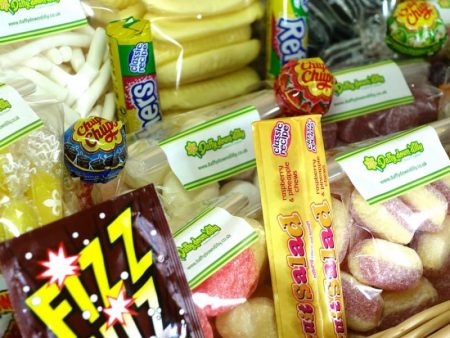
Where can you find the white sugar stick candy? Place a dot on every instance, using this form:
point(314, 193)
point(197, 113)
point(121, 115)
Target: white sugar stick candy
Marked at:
point(39, 63)
point(89, 70)
point(78, 59)
point(44, 83)
point(66, 53)
point(89, 98)
point(19, 55)
point(109, 107)
point(54, 56)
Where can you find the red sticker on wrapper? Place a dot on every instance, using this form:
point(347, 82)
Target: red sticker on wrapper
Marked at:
point(304, 87)
point(112, 270)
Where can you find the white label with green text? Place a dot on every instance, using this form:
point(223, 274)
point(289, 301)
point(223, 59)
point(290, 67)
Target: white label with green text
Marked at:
point(27, 19)
point(214, 150)
point(210, 241)
point(401, 163)
point(17, 119)
point(367, 89)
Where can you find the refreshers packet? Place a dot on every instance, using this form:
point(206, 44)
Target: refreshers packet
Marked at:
point(134, 73)
point(295, 196)
point(109, 271)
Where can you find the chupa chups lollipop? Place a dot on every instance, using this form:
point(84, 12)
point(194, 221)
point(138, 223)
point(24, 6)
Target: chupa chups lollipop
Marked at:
point(304, 87)
point(95, 149)
point(415, 28)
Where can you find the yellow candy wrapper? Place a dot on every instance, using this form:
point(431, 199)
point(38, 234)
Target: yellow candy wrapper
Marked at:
point(296, 203)
point(133, 73)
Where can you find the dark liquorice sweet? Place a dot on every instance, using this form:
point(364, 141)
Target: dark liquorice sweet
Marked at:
point(95, 149)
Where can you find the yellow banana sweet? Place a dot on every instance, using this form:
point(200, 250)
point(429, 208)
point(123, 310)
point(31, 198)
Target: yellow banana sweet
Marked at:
point(168, 51)
point(181, 29)
point(117, 4)
point(199, 94)
point(194, 7)
point(136, 10)
point(209, 64)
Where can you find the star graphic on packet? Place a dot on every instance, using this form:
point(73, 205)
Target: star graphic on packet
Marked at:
point(118, 307)
point(59, 266)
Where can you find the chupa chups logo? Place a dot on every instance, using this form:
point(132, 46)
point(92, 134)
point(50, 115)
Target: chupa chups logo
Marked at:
point(310, 136)
point(98, 133)
point(316, 79)
point(381, 161)
point(138, 58)
point(199, 149)
point(196, 242)
point(416, 14)
point(145, 98)
point(281, 138)
point(13, 6)
point(4, 105)
point(289, 35)
point(357, 84)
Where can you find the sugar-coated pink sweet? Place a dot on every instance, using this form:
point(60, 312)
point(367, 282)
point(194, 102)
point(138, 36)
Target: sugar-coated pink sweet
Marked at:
point(385, 265)
point(363, 304)
point(358, 234)
point(429, 206)
point(392, 220)
point(341, 228)
point(205, 324)
point(433, 249)
point(400, 305)
point(443, 185)
point(441, 282)
point(230, 286)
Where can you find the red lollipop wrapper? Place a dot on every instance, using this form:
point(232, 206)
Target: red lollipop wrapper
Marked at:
point(304, 87)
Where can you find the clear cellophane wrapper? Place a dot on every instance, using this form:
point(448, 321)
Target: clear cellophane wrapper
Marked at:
point(394, 255)
point(31, 172)
point(424, 109)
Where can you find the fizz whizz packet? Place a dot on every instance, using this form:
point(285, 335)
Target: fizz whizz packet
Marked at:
point(134, 73)
point(108, 271)
point(295, 196)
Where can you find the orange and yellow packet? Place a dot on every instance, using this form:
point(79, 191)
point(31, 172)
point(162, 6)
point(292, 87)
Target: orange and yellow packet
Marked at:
point(295, 196)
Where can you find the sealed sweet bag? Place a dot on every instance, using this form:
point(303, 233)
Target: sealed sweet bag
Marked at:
point(223, 253)
point(31, 167)
point(391, 209)
point(111, 270)
point(299, 218)
point(379, 99)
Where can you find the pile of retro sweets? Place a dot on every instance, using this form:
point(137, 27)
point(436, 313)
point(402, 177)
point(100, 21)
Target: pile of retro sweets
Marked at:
point(162, 175)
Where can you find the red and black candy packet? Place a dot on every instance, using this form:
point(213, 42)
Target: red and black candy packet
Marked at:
point(109, 271)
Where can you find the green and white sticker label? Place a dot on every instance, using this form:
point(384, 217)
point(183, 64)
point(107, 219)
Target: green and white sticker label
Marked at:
point(367, 89)
point(20, 20)
point(394, 166)
point(214, 150)
point(210, 241)
point(17, 119)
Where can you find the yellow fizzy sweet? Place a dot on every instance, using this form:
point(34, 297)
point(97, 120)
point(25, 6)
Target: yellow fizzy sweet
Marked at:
point(46, 194)
point(17, 217)
point(295, 196)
